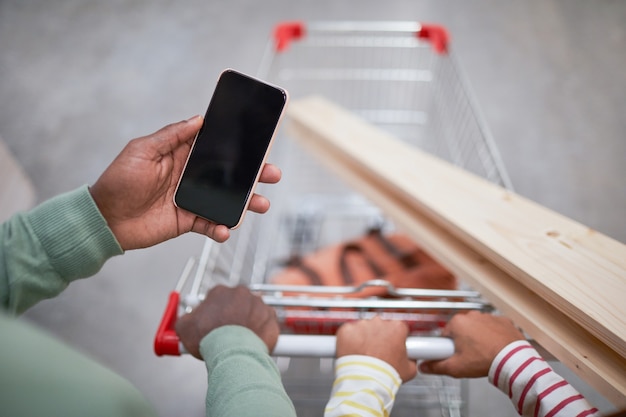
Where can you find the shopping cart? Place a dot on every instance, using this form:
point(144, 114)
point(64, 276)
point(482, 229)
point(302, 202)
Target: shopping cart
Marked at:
point(402, 77)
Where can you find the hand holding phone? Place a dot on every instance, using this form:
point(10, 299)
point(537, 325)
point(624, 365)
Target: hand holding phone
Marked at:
point(230, 149)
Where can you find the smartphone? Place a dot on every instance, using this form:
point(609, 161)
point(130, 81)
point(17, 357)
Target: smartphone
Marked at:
point(230, 149)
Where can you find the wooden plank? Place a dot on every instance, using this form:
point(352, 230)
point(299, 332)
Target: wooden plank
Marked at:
point(378, 166)
point(594, 362)
point(16, 191)
point(563, 261)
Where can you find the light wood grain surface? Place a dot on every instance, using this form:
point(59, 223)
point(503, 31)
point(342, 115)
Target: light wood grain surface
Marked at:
point(561, 281)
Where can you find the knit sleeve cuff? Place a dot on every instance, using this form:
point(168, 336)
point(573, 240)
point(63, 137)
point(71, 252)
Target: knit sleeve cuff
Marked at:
point(74, 234)
point(229, 337)
point(242, 379)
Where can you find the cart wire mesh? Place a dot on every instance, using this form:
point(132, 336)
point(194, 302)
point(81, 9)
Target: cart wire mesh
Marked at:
point(403, 78)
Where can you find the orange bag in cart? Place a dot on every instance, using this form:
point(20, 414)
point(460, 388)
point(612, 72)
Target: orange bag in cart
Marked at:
point(394, 258)
point(375, 256)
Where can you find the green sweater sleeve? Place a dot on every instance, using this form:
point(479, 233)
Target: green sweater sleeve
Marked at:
point(42, 376)
point(243, 379)
point(43, 250)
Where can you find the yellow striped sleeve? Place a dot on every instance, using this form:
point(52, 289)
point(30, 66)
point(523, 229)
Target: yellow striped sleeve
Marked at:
point(385, 368)
point(363, 386)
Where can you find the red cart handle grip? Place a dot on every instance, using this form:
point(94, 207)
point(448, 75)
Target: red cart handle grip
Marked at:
point(286, 32)
point(437, 35)
point(166, 341)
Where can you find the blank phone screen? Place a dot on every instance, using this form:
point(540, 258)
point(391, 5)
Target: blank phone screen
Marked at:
point(230, 148)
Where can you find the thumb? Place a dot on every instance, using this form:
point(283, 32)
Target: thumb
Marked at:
point(435, 367)
point(172, 136)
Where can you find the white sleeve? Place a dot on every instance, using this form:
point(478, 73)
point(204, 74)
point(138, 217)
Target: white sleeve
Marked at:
point(363, 386)
point(533, 386)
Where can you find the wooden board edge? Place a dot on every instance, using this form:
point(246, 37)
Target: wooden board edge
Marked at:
point(574, 346)
point(608, 331)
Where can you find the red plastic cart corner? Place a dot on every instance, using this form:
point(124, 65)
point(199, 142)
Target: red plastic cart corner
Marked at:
point(287, 32)
point(166, 341)
point(437, 35)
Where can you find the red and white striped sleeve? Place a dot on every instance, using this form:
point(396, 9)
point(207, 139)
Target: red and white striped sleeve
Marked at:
point(533, 386)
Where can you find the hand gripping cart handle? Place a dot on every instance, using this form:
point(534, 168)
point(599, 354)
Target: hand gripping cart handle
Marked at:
point(167, 342)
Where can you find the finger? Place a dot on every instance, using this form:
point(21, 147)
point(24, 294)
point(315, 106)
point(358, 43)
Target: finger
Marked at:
point(216, 291)
point(270, 174)
point(346, 330)
point(403, 327)
point(188, 335)
point(259, 204)
point(442, 367)
point(447, 332)
point(428, 367)
point(456, 322)
point(273, 332)
point(173, 135)
point(217, 232)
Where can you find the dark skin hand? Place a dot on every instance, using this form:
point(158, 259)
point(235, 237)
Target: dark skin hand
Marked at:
point(228, 306)
point(478, 338)
point(135, 193)
point(378, 338)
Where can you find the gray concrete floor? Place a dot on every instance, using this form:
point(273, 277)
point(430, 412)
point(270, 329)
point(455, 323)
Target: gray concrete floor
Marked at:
point(79, 79)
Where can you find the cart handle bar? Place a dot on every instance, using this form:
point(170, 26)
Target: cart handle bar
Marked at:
point(418, 348)
point(287, 32)
point(167, 342)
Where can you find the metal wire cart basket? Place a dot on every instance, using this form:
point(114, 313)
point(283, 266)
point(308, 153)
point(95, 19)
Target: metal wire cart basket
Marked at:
point(402, 77)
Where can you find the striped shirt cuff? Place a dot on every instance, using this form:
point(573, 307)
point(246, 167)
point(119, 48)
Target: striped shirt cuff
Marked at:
point(363, 386)
point(533, 386)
